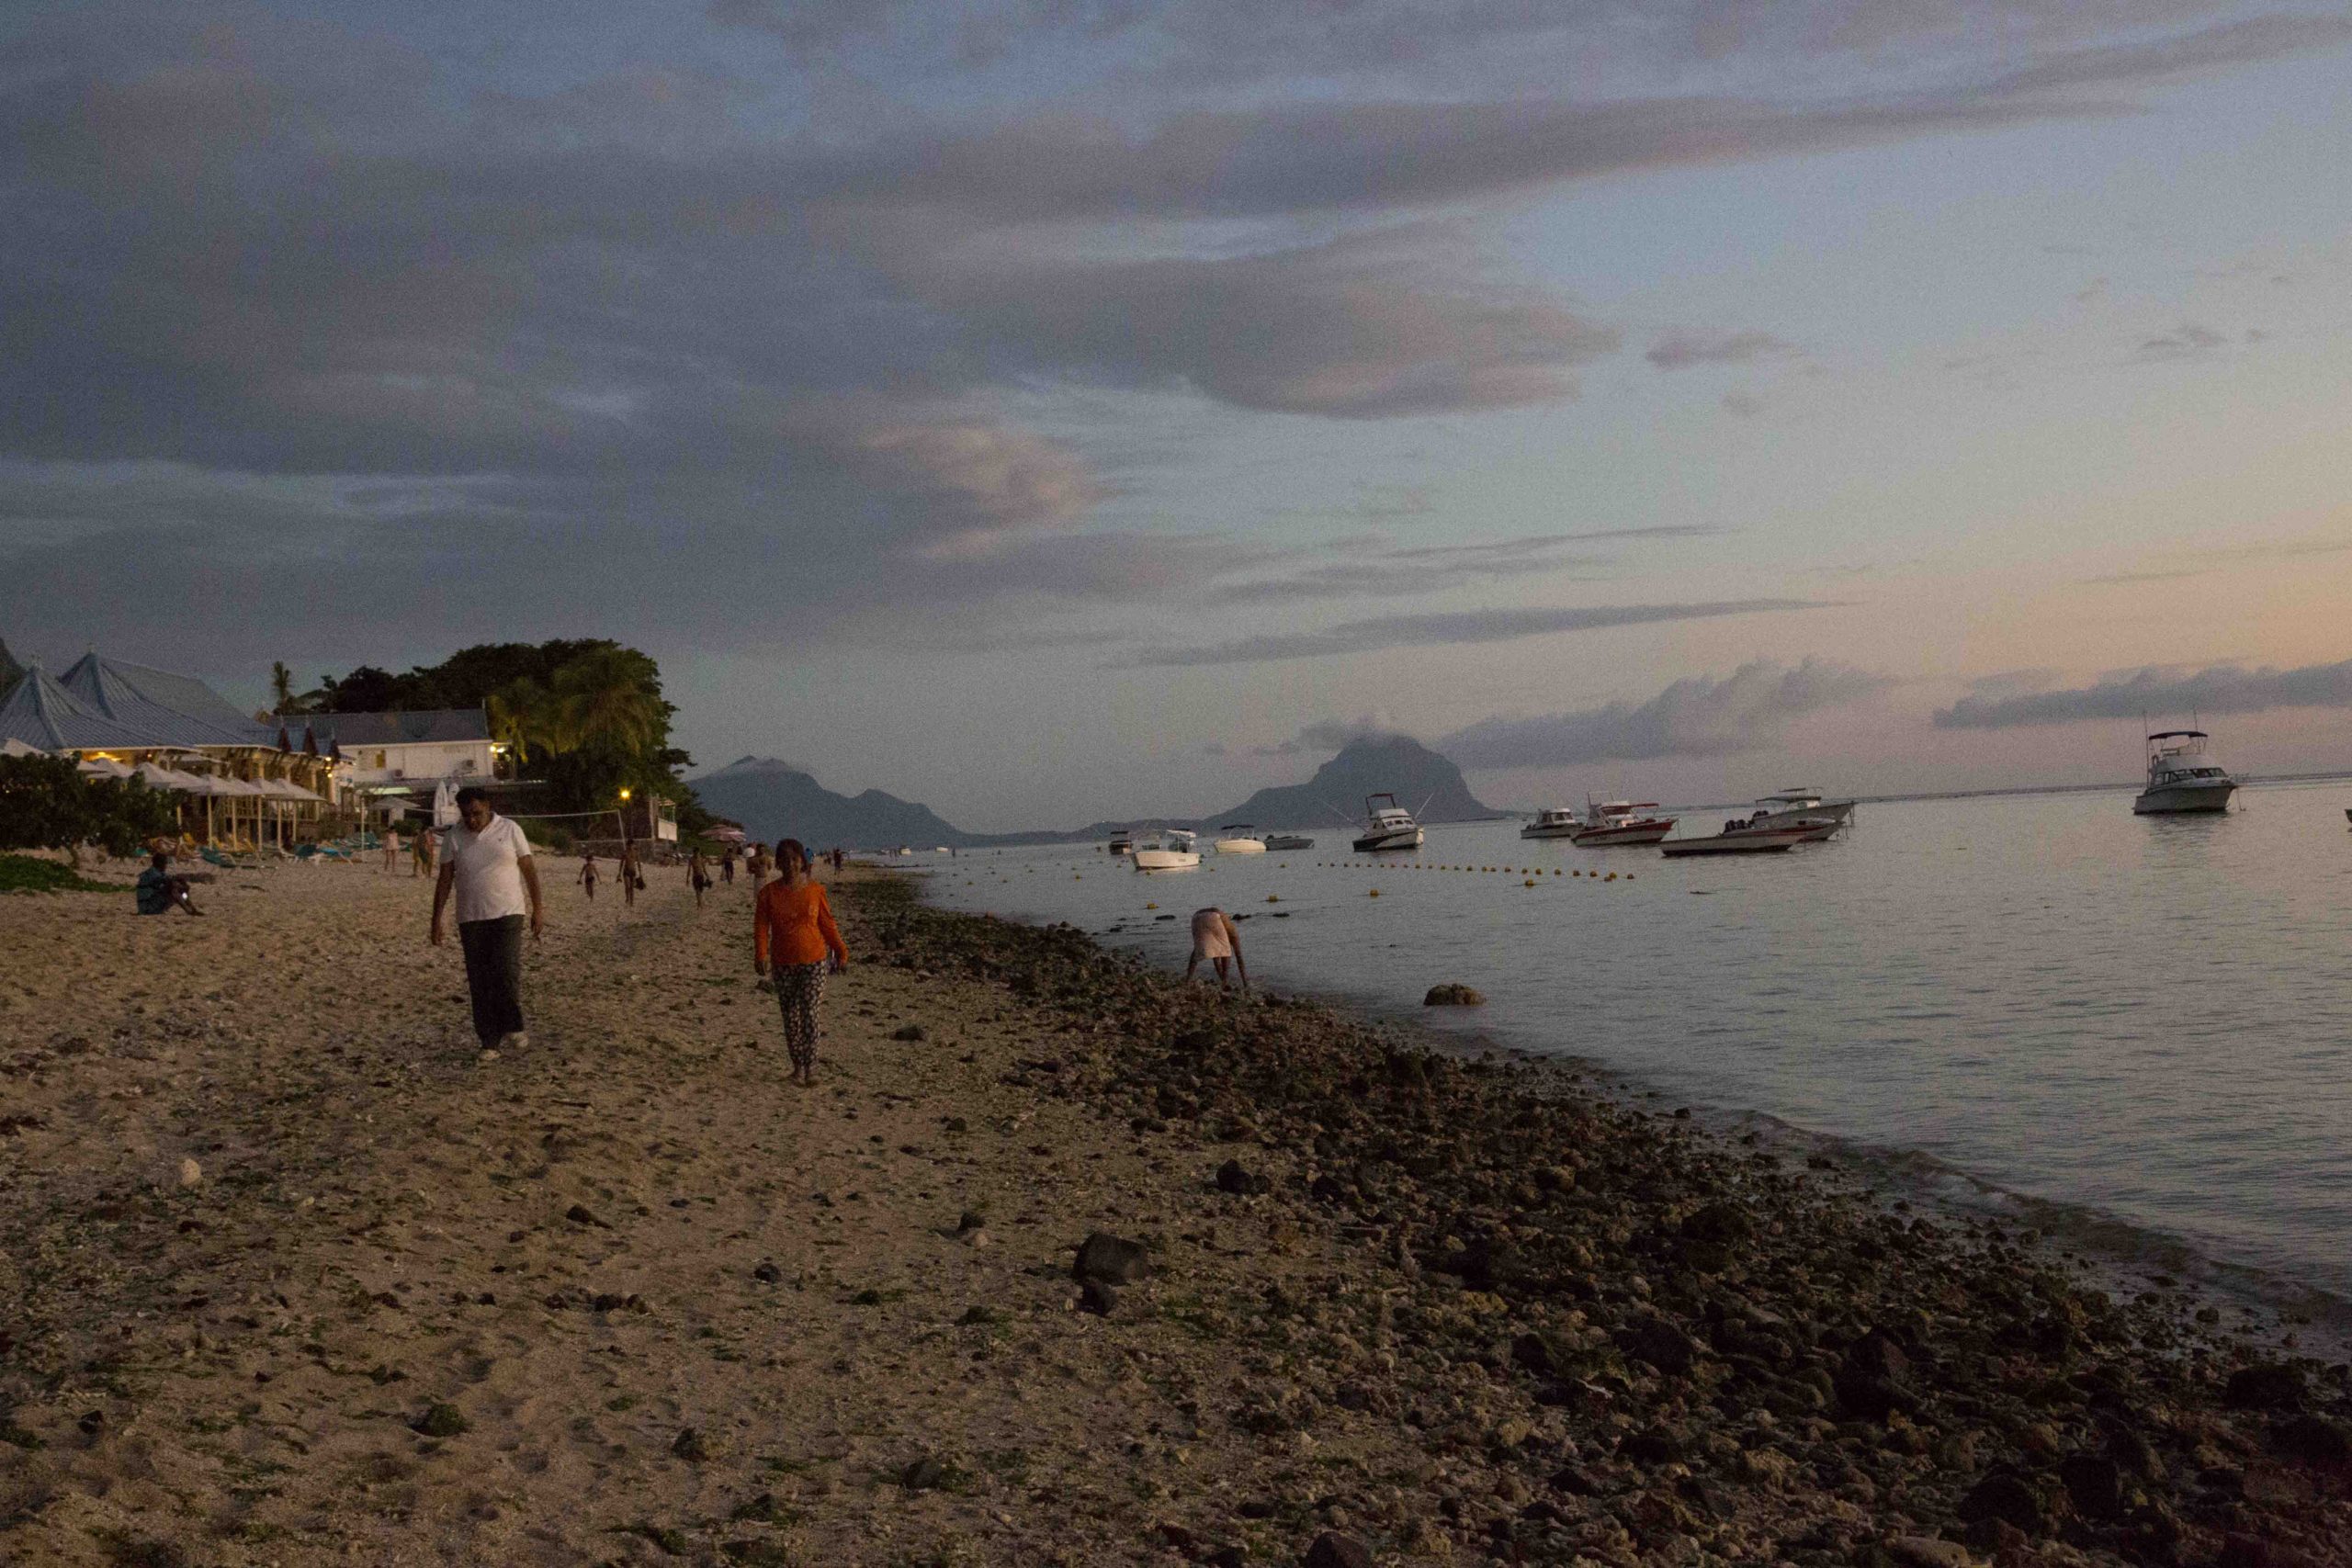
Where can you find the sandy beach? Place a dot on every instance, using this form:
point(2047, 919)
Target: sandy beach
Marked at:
point(289, 1275)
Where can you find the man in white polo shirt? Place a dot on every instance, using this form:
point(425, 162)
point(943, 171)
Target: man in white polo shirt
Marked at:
point(488, 863)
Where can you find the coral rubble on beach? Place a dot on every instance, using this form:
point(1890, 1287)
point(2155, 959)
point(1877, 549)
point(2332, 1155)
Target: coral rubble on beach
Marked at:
point(1061, 1262)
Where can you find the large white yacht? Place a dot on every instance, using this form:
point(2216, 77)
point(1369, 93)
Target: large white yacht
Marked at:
point(1389, 826)
point(2181, 778)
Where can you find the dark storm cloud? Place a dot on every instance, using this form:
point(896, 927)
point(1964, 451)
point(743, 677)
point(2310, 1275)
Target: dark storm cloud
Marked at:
point(1702, 717)
point(1449, 627)
point(2155, 692)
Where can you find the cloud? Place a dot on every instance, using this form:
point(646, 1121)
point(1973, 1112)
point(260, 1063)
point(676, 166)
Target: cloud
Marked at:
point(1681, 350)
point(1743, 405)
point(1751, 708)
point(2154, 691)
point(2188, 340)
point(1331, 734)
point(1448, 627)
point(1340, 329)
point(1372, 567)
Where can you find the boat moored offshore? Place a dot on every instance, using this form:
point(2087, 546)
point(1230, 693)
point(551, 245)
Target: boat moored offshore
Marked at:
point(1803, 811)
point(1610, 823)
point(1170, 851)
point(1389, 826)
point(1239, 838)
point(2182, 777)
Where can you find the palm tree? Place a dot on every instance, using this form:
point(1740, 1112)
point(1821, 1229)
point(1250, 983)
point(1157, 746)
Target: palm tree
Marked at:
point(603, 698)
point(518, 713)
point(282, 687)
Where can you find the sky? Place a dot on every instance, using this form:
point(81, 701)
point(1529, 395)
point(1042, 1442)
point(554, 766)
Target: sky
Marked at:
point(1068, 410)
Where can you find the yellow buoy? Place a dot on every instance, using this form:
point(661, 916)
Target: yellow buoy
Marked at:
point(1376, 892)
point(1151, 906)
point(1529, 883)
point(1610, 877)
point(1274, 899)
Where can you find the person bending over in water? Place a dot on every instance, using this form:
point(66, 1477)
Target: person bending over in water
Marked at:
point(1218, 939)
point(793, 933)
point(159, 891)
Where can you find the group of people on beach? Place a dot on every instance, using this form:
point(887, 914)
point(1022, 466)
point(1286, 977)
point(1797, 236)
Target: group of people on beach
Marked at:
point(487, 870)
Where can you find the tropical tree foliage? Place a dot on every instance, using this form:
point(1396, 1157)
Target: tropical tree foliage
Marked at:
point(585, 717)
point(46, 804)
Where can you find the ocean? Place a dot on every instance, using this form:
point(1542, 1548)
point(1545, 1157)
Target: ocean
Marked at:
point(2133, 1032)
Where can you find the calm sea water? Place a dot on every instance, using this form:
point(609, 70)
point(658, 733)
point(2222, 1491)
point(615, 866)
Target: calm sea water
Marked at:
point(2131, 1029)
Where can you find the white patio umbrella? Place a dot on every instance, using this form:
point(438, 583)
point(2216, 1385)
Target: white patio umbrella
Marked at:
point(103, 768)
point(12, 747)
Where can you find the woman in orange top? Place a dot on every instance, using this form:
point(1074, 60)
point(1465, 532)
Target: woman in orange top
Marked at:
point(791, 932)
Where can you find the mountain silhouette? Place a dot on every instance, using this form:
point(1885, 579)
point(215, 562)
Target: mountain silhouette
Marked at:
point(774, 799)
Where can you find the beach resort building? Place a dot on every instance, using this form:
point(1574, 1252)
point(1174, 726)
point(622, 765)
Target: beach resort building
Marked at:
point(237, 780)
point(403, 749)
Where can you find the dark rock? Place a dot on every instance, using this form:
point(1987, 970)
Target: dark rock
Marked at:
point(925, 1475)
point(1872, 1381)
point(1112, 1260)
point(1651, 1445)
point(439, 1421)
point(2314, 1440)
point(1574, 1482)
point(1332, 1549)
point(1718, 1222)
point(1327, 1189)
point(1236, 1177)
point(969, 1221)
point(1098, 1298)
point(1235, 1556)
point(688, 1445)
point(1453, 995)
point(768, 1273)
point(2094, 1484)
point(2006, 1498)
point(579, 1214)
point(1534, 1353)
point(2264, 1386)
point(1659, 1342)
point(908, 1032)
point(2239, 1550)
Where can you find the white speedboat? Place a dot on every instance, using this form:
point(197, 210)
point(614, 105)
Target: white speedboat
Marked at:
point(1171, 851)
point(1389, 826)
point(1803, 811)
point(2181, 778)
point(1283, 842)
point(1605, 824)
point(1239, 838)
point(1553, 822)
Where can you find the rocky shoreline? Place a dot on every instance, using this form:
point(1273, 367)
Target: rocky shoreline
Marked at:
point(1644, 1342)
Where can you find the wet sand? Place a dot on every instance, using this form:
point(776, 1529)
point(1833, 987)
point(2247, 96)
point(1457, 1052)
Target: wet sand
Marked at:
point(627, 1296)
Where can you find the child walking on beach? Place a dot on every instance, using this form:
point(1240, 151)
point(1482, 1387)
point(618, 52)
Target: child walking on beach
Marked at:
point(588, 876)
point(793, 933)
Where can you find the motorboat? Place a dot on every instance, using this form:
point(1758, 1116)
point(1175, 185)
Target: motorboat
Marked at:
point(2181, 778)
point(1168, 851)
point(1737, 838)
point(1239, 838)
point(1802, 809)
point(1285, 841)
point(1609, 823)
point(1389, 826)
point(1122, 842)
point(1553, 822)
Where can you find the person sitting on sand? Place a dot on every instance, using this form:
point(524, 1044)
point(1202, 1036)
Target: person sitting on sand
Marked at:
point(1218, 939)
point(159, 891)
point(793, 932)
point(588, 874)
